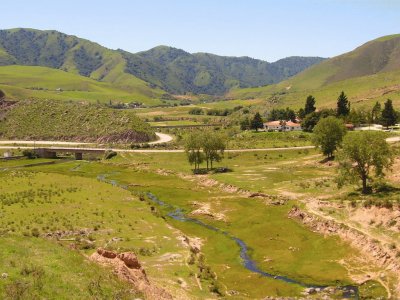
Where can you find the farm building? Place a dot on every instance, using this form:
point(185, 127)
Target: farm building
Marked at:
point(282, 126)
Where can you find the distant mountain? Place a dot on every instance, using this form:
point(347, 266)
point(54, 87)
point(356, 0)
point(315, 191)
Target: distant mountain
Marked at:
point(178, 71)
point(170, 69)
point(370, 72)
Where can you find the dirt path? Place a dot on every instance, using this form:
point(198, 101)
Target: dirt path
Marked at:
point(162, 138)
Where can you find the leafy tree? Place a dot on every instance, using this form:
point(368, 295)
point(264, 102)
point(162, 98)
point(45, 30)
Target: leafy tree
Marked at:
point(358, 117)
point(193, 145)
point(290, 115)
point(312, 119)
point(362, 153)
point(301, 113)
point(245, 124)
point(376, 112)
point(282, 114)
point(389, 115)
point(310, 105)
point(343, 105)
point(257, 122)
point(328, 134)
point(196, 111)
point(213, 145)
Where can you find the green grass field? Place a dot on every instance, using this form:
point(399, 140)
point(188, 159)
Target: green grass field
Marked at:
point(32, 196)
point(361, 91)
point(26, 82)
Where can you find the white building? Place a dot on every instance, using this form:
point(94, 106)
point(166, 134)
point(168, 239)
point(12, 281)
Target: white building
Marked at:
point(282, 126)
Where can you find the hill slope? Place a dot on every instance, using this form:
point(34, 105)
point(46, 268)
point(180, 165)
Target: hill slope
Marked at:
point(28, 82)
point(369, 73)
point(168, 68)
point(68, 53)
point(57, 120)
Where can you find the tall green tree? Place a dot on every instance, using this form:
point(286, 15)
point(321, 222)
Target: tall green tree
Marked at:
point(328, 135)
point(363, 155)
point(193, 146)
point(245, 124)
point(389, 115)
point(213, 145)
point(257, 122)
point(376, 112)
point(310, 105)
point(343, 105)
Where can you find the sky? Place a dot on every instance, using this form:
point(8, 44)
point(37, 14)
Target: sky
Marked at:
point(263, 29)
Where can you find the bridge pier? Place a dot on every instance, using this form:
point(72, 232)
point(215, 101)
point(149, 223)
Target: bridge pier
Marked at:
point(78, 155)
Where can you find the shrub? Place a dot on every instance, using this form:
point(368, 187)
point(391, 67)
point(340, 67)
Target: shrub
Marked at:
point(29, 153)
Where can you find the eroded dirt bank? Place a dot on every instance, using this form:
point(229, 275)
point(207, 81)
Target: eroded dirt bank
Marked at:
point(374, 251)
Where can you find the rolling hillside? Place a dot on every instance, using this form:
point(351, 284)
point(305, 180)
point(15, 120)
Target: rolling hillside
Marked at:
point(367, 74)
point(173, 70)
point(32, 82)
point(71, 121)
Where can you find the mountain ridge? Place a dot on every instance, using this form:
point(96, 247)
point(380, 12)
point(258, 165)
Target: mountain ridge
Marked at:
point(368, 73)
point(164, 67)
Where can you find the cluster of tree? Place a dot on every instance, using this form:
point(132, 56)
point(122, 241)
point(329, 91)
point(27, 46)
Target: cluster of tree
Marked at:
point(214, 112)
point(282, 114)
point(387, 116)
point(255, 123)
point(203, 146)
point(359, 153)
point(86, 62)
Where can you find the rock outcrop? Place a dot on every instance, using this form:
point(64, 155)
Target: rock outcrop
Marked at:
point(127, 267)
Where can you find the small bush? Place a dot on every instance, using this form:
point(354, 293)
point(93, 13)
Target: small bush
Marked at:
point(29, 153)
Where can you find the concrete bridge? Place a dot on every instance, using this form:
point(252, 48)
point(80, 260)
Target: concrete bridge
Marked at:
point(78, 152)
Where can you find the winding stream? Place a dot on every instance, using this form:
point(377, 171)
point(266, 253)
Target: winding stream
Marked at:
point(349, 291)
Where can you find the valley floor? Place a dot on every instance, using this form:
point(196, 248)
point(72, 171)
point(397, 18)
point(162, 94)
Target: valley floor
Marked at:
point(197, 237)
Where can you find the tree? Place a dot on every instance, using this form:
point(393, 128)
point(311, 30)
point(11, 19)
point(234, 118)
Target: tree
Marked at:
point(213, 145)
point(312, 119)
point(389, 115)
point(193, 145)
point(245, 124)
point(328, 135)
point(310, 105)
point(343, 105)
point(290, 115)
point(257, 122)
point(376, 112)
point(301, 113)
point(362, 153)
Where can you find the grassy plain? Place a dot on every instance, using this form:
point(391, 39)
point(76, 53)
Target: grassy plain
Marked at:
point(115, 212)
point(277, 244)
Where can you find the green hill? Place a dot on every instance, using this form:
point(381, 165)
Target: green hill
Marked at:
point(71, 121)
point(178, 71)
point(173, 70)
point(369, 73)
point(31, 82)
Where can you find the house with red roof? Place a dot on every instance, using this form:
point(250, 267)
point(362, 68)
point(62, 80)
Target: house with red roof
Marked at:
point(282, 126)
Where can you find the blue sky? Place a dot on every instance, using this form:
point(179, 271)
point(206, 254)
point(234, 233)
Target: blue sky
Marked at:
point(263, 29)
